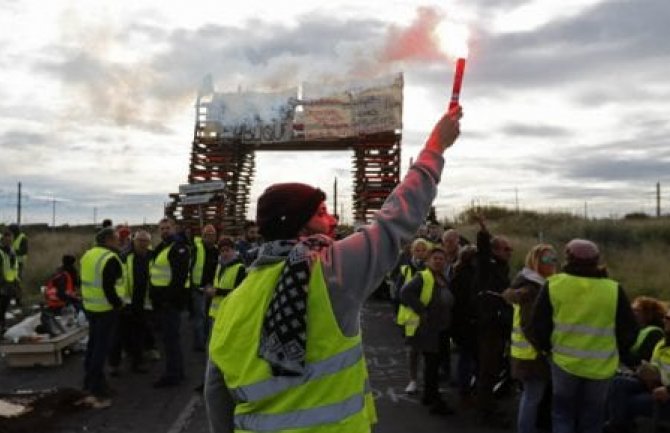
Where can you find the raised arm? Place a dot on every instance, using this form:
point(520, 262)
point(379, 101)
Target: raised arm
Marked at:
point(356, 265)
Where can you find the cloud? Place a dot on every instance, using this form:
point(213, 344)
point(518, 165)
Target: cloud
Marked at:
point(545, 131)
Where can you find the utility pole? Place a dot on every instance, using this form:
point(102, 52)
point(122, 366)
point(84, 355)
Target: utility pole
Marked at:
point(658, 199)
point(18, 206)
point(586, 210)
point(335, 197)
point(95, 215)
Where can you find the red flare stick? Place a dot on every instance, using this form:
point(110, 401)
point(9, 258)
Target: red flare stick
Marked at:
point(458, 81)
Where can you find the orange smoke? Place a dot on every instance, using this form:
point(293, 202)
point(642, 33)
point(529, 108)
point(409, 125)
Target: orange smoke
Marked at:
point(417, 42)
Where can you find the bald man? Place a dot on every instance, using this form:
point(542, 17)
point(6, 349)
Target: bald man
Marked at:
point(204, 258)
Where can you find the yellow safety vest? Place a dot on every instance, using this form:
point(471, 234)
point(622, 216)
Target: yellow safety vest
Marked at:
point(160, 273)
point(92, 265)
point(584, 314)
point(10, 272)
point(642, 335)
point(332, 396)
point(223, 281)
point(198, 262)
point(520, 347)
point(661, 359)
point(130, 282)
point(16, 244)
point(408, 317)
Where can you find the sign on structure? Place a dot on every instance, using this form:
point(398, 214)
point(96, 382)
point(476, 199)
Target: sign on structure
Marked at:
point(332, 111)
point(202, 187)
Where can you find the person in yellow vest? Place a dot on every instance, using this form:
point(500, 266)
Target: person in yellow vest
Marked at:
point(426, 315)
point(649, 314)
point(204, 258)
point(168, 275)
point(584, 319)
point(287, 354)
point(528, 365)
point(645, 395)
point(20, 246)
point(230, 272)
point(133, 329)
point(8, 275)
point(419, 252)
point(101, 283)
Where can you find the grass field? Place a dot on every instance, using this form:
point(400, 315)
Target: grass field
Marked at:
point(635, 251)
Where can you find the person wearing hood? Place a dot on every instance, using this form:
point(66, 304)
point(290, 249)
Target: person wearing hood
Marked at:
point(584, 319)
point(289, 354)
point(528, 365)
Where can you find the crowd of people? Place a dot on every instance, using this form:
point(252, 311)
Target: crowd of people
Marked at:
point(584, 357)
point(278, 312)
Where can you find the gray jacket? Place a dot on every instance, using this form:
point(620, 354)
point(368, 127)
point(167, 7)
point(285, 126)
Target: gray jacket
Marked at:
point(355, 266)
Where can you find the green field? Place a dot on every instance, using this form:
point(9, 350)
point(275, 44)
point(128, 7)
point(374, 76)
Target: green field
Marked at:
point(635, 250)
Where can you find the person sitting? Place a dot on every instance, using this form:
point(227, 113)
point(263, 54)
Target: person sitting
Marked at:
point(649, 314)
point(62, 287)
point(647, 393)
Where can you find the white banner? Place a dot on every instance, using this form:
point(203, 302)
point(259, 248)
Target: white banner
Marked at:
point(324, 111)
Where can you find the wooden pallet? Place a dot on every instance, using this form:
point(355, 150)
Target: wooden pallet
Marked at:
point(42, 353)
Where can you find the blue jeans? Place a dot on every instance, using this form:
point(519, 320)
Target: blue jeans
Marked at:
point(199, 323)
point(170, 320)
point(101, 329)
point(466, 370)
point(578, 404)
point(533, 391)
point(629, 399)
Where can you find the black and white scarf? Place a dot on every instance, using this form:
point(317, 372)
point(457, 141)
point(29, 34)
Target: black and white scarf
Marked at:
point(284, 333)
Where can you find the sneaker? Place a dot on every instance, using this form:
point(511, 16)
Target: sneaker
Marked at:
point(411, 387)
point(153, 355)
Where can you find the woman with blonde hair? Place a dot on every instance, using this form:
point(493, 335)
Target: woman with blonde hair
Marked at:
point(528, 365)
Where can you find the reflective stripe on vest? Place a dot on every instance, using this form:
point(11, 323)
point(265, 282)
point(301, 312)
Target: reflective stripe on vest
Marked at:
point(223, 282)
point(407, 316)
point(9, 272)
point(584, 315)
point(331, 396)
point(92, 265)
point(160, 273)
point(520, 347)
point(198, 262)
point(16, 244)
point(661, 359)
point(642, 335)
point(303, 419)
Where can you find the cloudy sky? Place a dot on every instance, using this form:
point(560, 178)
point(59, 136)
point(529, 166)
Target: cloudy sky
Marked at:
point(566, 102)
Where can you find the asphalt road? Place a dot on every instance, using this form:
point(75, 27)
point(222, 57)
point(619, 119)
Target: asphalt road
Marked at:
point(138, 408)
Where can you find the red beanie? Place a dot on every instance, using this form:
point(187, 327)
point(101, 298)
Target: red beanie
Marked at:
point(284, 208)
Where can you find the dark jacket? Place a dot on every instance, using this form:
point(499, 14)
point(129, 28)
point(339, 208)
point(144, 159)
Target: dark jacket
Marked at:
point(464, 323)
point(110, 274)
point(140, 279)
point(435, 317)
point(526, 287)
point(175, 294)
point(542, 322)
point(492, 275)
